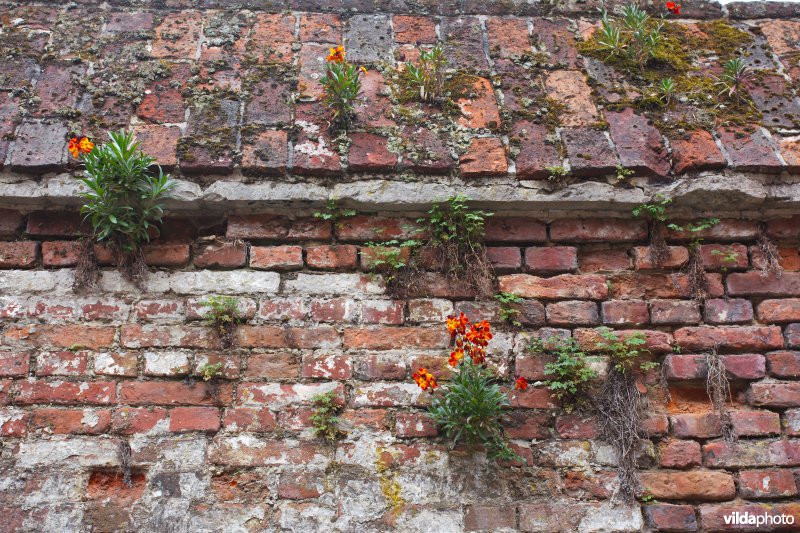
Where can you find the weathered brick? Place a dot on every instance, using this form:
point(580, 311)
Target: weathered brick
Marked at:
point(115, 364)
point(789, 258)
point(10, 223)
point(674, 312)
point(592, 287)
point(732, 338)
point(487, 517)
point(752, 453)
point(589, 151)
point(784, 310)
point(168, 255)
point(237, 452)
point(389, 395)
point(274, 227)
point(551, 259)
point(20, 254)
point(65, 392)
point(655, 341)
point(183, 419)
point(749, 151)
point(638, 143)
point(336, 257)
point(155, 310)
point(703, 486)
point(167, 393)
point(516, 230)
point(791, 422)
point(696, 151)
point(727, 229)
point(767, 484)
point(576, 427)
point(410, 425)
point(536, 152)
point(54, 224)
point(485, 157)
point(13, 364)
point(156, 336)
point(246, 419)
point(13, 422)
point(224, 255)
point(39, 147)
point(383, 366)
point(728, 311)
point(755, 423)
point(784, 228)
point(65, 336)
point(641, 286)
point(364, 228)
point(382, 312)
point(680, 454)
point(784, 364)
point(414, 30)
point(625, 312)
point(370, 153)
point(178, 36)
point(597, 230)
point(642, 259)
point(775, 394)
point(166, 363)
point(266, 153)
point(692, 425)
point(67, 363)
point(299, 485)
point(278, 337)
point(668, 517)
point(160, 141)
point(277, 395)
point(387, 338)
point(334, 310)
point(572, 313)
point(327, 366)
point(737, 366)
point(724, 256)
point(272, 366)
point(276, 257)
point(504, 258)
point(71, 421)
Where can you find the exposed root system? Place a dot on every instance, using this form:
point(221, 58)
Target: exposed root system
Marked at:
point(659, 251)
point(124, 458)
point(696, 275)
point(719, 393)
point(620, 411)
point(770, 255)
point(87, 274)
point(133, 267)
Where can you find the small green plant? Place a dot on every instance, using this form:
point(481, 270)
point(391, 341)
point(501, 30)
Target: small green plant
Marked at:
point(223, 316)
point(734, 74)
point(624, 353)
point(341, 85)
point(123, 202)
point(557, 174)
point(634, 35)
point(728, 258)
point(392, 256)
point(428, 77)
point(472, 408)
point(208, 371)
point(666, 90)
point(655, 212)
point(571, 376)
point(509, 310)
point(326, 417)
point(623, 174)
point(334, 213)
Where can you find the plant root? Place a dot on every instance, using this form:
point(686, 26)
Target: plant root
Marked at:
point(719, 392)
point(659, 251)
point(620, 411)
point(87, 273)
point(770, 255)
point(696, 275)
point(133, 267)
point(124, 458)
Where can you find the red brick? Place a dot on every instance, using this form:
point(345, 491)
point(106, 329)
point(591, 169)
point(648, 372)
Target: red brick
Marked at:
point(572, 313)
point(370, 153)
point(178, 35)
point(485, 157)
point(667, 517)
point(534, 398)
point(703, 486)
point(10, 223)
point(785, 310)
point(696, 151)
point(589, 151)
point(731, 338)
point(487, 517)
point(749, 151)
point(678, 255)
point(738, 366)
point(275, 227)
point(62, 363)
point(414, 30)
point(166, 393)
point(166, 255)
point(655, 341)
point(504, 258)
point(784, 364)
point(263, 453)
point(224, 255)
point(381, 366)
point(183, 419)
point(784, 228)
point(271, 37)
point(725, 230)
point(65, 392)
point(410, 425)
point(116, 364)
point(674, 312)
point(132, 420)
point(299, 485)
point(20, 254)
point(386, 338)
point(61, 254)
point(320, 27)
point(638, 143)
point(793, 335)
point(776, 394)
point(679, 454)
point(551, 259)
point(327, 366)
point(559, 287)
point(363, 228)
point(247, 419)
point(13, 422)
point(278, 337)
point(516, 230)
point(728, 311)
point(696, 425)
point(576, 427)
point(13, 364)
point(160, 141)
point(641, 286)
point(54, 224)
point(336, 257)
point(536, 152)
point(625, 312)
point(382, 312)
point(755, 423)
point(282, 309)
point(752, 453)
point(266, 153)
point(767, 484)
point(603, 260)
point(159, 310)
point(65, 336)
point(276, 257)
point(334, 310)
point(71, 421)
point(598, 230)
point(157, 336)
point(508, 37)
point(273, 366)
point(789, 258)
point(714, 256)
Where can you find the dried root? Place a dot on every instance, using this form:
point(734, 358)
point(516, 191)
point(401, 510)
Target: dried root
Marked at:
point(133, 267)
point(87, 273)
point(659, 251)
point(696, 275)
point(620, 412)
point(719, 393)
point(124, 458)
point(770, 255)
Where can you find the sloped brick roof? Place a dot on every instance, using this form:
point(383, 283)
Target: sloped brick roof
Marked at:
point(230, 94)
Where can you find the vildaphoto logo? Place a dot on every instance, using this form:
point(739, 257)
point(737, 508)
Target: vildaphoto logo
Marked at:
point(747, 518)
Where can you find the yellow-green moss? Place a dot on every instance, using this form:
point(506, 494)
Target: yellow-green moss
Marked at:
point(390, 487)
point(724, 38)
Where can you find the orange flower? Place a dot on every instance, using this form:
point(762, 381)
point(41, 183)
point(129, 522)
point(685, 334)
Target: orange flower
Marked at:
point(425, 380)
point(477, 354)
point(364, 70)
point(336, 55)
point(78, 146)
point(521, 383)
point(456, 356)
point(480, 333)
point(457, 324)
point(674, 8)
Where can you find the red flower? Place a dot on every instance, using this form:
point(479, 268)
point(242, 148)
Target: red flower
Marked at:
point(80, 145)
point(521, 384)
point(425, 380)
point(457, 325)
point(674, 8)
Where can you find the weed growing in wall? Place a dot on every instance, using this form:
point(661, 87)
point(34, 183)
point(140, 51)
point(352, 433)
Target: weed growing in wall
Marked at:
point(208, 371)
point(223, 316)
point(719, 392)
point(341, 84)
point(770, 256)
point(694, 269)
point(509, 308)
point(326, 417)
point(656, 214)
point(334, 213)
point(569, 376)
point(123, 202)
point(471, 406)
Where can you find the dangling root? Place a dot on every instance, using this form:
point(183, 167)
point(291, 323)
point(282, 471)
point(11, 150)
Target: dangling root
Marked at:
point(696, 275)
point(620, 411)
point(133, 267)
point(124, 458)
point(770, 255)
point(659, 251)
point(719, 392)
point(87, 274)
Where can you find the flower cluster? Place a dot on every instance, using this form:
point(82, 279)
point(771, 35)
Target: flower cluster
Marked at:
point(80, 145)
point(342, 85)
point(674, 8)
point(425, 380)
point(336, 55)
point(469, 339)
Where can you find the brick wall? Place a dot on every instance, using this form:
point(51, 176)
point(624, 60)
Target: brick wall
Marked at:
point(80, 373)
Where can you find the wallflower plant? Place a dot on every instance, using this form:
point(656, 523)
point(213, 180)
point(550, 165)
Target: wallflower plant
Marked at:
point(342, 85)
point(123, 201)
point(471, 406)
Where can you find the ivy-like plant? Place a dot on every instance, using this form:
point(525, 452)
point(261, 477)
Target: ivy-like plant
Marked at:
point(326, 417)
point(223, 316)
point(570, 377)
point(472, 406)
point(123, 202)
point(509, 308)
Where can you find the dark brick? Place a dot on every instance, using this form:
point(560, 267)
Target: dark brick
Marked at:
point(749, 151)
point(638, 143)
